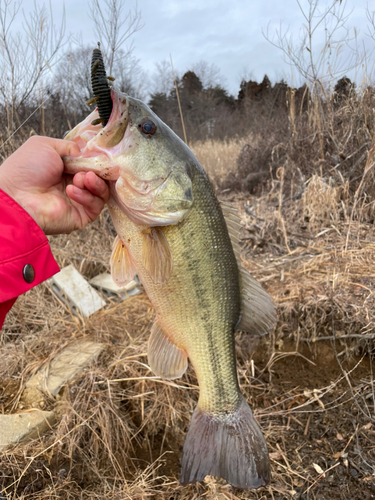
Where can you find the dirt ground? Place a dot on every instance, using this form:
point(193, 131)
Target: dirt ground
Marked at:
point(120, 431)
point(330, 433)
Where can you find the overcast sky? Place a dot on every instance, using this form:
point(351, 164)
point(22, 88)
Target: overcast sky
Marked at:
point(226, 33)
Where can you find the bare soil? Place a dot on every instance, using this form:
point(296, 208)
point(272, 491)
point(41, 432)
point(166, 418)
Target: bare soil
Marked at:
point(339, 440)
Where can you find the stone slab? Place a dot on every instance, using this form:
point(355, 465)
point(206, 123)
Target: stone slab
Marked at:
point(72, 288)
point(65, 366)
point(22, 427)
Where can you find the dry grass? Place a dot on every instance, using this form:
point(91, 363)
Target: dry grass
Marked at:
point(122, 430)
point(219, 157)
point(310, 382)
point(321, 201)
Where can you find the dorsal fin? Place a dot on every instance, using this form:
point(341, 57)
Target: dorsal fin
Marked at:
point(258, 312)
point(234, 226)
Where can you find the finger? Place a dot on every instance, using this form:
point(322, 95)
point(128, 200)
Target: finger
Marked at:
point(62, 147)
point(96, 186)
point(90, 204)
point(79, 180)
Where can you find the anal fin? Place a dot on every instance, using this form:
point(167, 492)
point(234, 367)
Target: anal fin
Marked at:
point(122, 269)
point(157, 257)
point(165, 359)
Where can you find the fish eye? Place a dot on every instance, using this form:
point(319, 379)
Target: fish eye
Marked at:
point(148, 127)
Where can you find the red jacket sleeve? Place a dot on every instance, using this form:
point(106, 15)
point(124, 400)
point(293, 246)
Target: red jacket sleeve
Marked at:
point(25, 255)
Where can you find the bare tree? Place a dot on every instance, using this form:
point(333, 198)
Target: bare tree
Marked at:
point(162, 79)
point(209, 74)
point(28, 55)
point(130, 77)
point(114, 27)
point(370, 14)
point(72, 82)
point(326, 50)
point(327, 47)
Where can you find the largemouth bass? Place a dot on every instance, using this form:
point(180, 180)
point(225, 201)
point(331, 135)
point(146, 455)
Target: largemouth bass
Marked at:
point(172, 232)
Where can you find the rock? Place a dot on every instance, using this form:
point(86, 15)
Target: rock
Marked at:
point(65, 366)
point(72, 288)
point(22, 427)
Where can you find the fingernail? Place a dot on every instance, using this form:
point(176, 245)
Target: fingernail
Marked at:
point(98, 181)
point(76, 190)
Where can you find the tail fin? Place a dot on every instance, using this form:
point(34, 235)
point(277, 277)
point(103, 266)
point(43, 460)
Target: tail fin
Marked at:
point(232, 447)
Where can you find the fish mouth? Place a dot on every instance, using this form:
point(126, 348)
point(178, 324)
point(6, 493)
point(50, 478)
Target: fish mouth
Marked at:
point(99, 146)
point(87, 133)
point(100, 150)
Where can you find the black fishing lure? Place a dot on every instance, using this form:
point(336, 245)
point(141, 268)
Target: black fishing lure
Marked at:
point(100, 88)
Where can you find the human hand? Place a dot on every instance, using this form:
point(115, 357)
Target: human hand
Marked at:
point(33, 176)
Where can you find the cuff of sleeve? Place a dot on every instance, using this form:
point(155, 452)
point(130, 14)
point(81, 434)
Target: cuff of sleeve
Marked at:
point(12, 272)
point(4, 309)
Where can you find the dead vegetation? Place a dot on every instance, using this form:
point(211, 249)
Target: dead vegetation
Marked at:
point(308, 237)
point(122, 429)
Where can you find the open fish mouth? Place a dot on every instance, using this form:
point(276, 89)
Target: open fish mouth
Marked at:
point(100, 135)
point(112, 133)
point(104, 128)
point(100, 145)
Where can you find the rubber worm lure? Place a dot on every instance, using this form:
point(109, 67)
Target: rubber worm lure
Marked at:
point(100, 88)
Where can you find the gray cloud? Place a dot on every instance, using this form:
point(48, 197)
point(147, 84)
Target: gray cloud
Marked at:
point(226, 33)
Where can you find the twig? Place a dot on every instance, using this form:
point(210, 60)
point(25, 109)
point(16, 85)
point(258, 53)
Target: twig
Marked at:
point(307, 426)
point(320, 477)
point(178, 100)
point(280, 175)
point(154, 379)
point(365, 336)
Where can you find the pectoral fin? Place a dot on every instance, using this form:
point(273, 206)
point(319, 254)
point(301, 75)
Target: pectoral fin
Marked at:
point(157, 257)
point(164, 357)
point(258, 312)
point(122, 270)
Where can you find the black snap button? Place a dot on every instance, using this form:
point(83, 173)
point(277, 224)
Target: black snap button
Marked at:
point(28, 273)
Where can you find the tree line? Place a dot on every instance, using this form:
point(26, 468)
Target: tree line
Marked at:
point(45, 77)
